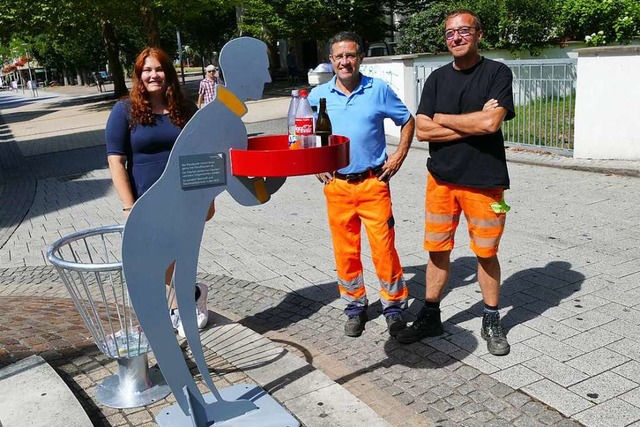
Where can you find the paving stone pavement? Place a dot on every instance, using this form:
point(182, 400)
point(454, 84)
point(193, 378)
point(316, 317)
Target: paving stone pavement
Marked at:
point(570, 260)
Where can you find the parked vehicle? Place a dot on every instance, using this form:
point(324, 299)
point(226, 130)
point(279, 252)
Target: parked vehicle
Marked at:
point(106, 77)
point(380, 49)
point(321, 74)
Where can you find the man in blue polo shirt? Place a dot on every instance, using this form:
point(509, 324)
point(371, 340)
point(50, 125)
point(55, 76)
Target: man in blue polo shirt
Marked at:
point(359, 193)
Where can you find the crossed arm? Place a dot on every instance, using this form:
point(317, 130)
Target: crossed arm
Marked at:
point(452, 127)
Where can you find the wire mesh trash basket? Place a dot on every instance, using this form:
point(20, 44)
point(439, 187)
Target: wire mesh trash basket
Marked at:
point(89, 263)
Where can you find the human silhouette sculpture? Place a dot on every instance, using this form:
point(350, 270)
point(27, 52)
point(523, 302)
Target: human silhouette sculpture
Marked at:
point(167, 223)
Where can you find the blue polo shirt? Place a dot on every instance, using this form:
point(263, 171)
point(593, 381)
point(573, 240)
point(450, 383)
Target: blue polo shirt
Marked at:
point(360, 116)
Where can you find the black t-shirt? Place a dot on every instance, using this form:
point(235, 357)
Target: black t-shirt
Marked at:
point(475, 161)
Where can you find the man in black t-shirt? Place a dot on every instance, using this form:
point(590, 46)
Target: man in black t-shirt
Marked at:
point(461, 111)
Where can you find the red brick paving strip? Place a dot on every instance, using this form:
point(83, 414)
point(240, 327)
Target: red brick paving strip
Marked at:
point(53, 329)
point(50, 327)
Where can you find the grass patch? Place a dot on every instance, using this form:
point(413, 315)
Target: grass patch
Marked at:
point(544, 122)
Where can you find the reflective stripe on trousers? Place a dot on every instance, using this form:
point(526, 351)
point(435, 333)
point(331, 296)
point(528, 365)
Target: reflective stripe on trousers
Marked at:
point(368, 203)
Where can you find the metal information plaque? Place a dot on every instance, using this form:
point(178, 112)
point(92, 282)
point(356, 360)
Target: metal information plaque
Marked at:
point(202, 170)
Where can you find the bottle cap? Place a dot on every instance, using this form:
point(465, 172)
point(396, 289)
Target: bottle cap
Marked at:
point(294, 92)
point(303, 92)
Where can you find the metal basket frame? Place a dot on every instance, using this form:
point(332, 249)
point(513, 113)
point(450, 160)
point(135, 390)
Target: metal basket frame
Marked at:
point(93, 276)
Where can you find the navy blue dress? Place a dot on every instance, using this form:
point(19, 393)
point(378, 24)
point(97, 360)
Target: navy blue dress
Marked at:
point(147, 147)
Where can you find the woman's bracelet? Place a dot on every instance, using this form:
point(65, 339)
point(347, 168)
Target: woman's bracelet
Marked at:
point(127, 209)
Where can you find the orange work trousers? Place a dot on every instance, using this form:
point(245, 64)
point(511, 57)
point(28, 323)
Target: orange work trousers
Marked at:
point(349, 205)
point(443, 204)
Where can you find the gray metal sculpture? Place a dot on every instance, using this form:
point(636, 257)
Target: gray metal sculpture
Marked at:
point(166, 226)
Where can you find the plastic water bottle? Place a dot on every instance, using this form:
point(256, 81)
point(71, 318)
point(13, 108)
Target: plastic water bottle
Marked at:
point(305, 122)
point(291, 119)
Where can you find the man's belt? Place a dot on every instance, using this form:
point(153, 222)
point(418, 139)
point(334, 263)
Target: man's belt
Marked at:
point(360, 176)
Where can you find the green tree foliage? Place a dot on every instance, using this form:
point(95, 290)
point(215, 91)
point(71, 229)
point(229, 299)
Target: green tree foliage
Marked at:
point(208, 31)
point(314, 19)
point(311, 20)
point(526, 25)
point(512, 24)
point(86, 33)
point(424, 31)
point(522, 24)
point(618, 20)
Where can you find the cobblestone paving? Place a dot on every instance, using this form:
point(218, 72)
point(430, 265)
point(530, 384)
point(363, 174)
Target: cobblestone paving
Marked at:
point(416, 385)
point(38, 319)
point(411, 385)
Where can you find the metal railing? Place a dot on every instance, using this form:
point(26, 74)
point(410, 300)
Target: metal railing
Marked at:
point(544, 97)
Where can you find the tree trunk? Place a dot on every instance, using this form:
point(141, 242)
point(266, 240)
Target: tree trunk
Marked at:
point(67, 78)
point(113, 55)
point(239, 18)
point(274, 55)
point(150, 24)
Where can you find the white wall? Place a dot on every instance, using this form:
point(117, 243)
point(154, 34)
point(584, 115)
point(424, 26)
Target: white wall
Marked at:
point(607, 117)
point(397, 71)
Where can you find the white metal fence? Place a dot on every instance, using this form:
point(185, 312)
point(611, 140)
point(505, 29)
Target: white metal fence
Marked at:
point(544, 96)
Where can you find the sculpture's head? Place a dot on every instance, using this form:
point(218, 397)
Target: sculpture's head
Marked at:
point(245, 65)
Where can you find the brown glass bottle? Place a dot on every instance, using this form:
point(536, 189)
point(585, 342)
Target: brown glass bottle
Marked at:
point(323, 124)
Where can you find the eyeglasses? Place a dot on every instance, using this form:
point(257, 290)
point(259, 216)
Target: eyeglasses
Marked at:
point(463, 31)
point(212, 71)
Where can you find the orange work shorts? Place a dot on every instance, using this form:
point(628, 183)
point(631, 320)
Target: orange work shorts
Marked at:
point(443, 204)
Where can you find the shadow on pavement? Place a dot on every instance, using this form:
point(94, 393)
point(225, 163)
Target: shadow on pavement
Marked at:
point(57, 142)
point(528, 293)
point(548, 286)
point(295, 306)
point(24, 116)
point(17, 101)
point(106, 101)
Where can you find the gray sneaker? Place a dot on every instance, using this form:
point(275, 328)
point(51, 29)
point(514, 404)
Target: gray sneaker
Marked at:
point(395, 323)
point(355, 324)
point(492, 332)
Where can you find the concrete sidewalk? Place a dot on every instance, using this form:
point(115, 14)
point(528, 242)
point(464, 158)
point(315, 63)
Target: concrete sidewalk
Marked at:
point(570, 282)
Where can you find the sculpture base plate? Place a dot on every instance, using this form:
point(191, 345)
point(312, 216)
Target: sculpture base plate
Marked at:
point(269, 413)
point(109, 392)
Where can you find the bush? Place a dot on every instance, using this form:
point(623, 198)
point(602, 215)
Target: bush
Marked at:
point(600, 21)
point(424, 31)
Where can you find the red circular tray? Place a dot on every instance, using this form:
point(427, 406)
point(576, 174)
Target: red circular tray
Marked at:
point(270, 156)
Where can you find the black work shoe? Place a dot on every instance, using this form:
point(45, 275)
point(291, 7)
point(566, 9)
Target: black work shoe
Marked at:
point(395, 323)
point(494, 335)
point(355, 324)
point(427, 324)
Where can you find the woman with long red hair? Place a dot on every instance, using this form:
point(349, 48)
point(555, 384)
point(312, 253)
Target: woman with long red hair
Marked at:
point(141, 131)
point(143, 127)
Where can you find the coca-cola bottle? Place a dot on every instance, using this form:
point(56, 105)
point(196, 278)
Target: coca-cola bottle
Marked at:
point(291, 119)
point(304, 122)
point(323, 124)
